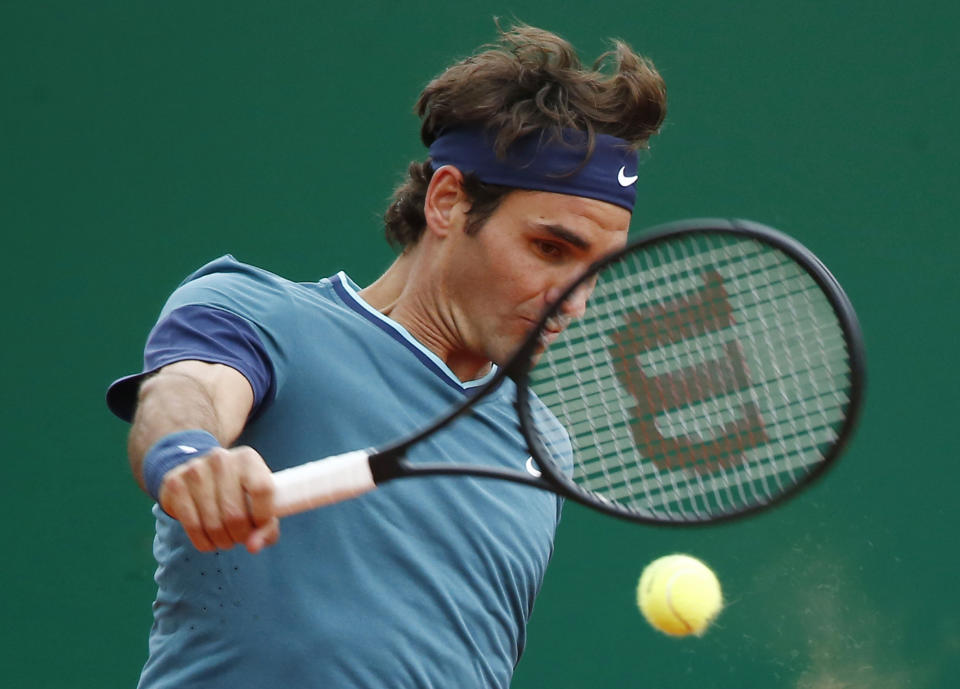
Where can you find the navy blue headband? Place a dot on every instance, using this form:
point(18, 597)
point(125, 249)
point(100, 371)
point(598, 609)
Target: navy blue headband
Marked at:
point(544, 163)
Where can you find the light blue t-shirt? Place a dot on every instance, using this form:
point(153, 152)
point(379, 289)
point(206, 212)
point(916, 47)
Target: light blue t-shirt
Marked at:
point(425, 582)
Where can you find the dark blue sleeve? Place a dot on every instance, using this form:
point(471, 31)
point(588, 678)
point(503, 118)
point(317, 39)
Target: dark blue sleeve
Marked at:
point(202, 333)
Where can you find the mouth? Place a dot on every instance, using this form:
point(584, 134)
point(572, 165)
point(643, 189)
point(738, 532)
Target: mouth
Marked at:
point(557, 324)
point(547, 337)
point(551, 330)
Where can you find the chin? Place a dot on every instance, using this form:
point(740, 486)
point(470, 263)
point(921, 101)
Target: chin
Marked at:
point(504, 348)
point(501, 356)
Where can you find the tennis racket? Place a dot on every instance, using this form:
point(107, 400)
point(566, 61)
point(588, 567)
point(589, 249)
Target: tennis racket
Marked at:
point(718, 369)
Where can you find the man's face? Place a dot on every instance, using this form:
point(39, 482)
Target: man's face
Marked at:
point(501, 279)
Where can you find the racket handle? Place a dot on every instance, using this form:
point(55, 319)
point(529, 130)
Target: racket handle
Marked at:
point(323, 482)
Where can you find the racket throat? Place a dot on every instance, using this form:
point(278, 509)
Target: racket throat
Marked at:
point(388, 465)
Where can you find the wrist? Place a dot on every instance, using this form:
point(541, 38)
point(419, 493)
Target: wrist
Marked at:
point(171, 451)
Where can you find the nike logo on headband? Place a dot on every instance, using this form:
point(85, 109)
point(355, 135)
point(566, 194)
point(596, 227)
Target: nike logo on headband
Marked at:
point(623, 179)
point(550, 160)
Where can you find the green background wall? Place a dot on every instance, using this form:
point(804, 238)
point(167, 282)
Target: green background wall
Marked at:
point(140, 139)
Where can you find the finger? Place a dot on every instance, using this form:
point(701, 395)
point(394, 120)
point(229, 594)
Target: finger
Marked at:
point(177, 501)
point(258, 486)
point(198, 476)
point(226, 467)
point(264, 536)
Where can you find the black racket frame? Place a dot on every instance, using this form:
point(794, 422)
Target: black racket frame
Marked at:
point(390, 463)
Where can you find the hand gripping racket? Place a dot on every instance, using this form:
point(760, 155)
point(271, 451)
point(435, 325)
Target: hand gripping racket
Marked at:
point(717, 370)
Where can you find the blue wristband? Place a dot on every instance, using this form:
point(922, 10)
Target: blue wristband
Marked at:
point(173, 450)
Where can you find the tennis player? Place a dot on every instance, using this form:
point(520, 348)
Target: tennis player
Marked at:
point(531, 176)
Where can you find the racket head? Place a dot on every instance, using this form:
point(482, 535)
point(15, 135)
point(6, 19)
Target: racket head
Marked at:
point(731, 379)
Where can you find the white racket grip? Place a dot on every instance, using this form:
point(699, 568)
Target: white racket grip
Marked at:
point(323, 482)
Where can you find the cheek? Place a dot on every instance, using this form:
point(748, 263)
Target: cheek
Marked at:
point(520, 275)
point(519, 291)
point(501, 278)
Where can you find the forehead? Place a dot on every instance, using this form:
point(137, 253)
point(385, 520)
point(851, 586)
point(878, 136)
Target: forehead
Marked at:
point(598, 220)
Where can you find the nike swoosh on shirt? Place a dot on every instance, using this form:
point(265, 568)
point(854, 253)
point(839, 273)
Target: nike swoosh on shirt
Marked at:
point(624, 180)
point(532, 470)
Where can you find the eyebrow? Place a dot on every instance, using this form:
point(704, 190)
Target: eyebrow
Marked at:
point(567, 235)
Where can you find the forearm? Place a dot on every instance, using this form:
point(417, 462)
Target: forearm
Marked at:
point(220, 496)
point(182, 396)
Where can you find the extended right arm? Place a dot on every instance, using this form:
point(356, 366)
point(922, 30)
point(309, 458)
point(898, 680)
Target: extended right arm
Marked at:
point(221, 497)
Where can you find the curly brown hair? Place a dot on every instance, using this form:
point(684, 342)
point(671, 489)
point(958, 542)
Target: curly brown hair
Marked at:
point(530, 80)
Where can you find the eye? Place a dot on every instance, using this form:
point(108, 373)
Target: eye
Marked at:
point(548, 249)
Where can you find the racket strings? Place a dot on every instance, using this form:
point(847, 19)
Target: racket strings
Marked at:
point(709, 374)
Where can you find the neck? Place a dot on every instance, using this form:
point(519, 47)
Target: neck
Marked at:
point(386, 291)
point(412, 295)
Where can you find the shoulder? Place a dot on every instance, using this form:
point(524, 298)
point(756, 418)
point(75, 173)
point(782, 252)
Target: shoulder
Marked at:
point(243, 289)
point(225, 280)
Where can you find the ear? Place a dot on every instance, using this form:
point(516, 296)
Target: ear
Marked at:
point(446, 204)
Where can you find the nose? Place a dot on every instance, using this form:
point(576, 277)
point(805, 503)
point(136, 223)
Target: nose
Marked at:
point(575, 305)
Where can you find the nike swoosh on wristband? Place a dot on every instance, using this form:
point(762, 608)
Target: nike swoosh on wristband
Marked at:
point(624, 180)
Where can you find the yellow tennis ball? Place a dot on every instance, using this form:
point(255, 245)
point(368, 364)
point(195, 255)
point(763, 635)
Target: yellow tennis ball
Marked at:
point(679, 595)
